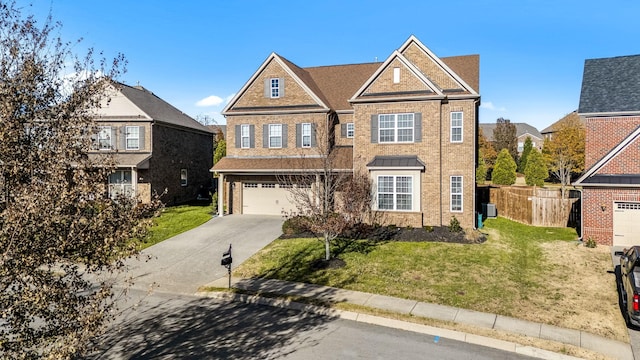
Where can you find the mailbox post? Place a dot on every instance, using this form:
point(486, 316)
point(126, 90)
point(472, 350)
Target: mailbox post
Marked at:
point(226, 262)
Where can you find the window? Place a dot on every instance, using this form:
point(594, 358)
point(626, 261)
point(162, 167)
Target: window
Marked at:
point(395, 193)
point(120, 184)
point(183, 177)
point(244, 134)
point(306, 135)
point(104, 138)
point(395, 128)
point(250, 185)
point(396, 75)
point(520, 146)
point(268, 186)
point(133, 138)
point(456, 126)
point(456, 193)
point(350, 130)
point(275, 87)
point(275, 135)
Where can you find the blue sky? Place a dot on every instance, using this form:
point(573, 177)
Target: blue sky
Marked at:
point(197, 54)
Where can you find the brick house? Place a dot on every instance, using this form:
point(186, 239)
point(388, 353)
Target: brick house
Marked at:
point(156, 147)
point(610, 110)
point(410, 122)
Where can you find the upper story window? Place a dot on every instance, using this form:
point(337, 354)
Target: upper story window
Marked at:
point(396, 75)
point(456, 126)
point(183, 177)
point(105, 138)
point(245, 137)
point(456, 193)
point(133, 137)
point(275, 87)
point(350, 130)
point(275, 135)
point(395, 128)
point(306, 135)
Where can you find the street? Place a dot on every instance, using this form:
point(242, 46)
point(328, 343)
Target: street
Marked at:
point(170, 326)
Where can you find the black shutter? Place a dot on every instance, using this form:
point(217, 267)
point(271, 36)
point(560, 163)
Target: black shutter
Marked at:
point(267, 88)
point(238, 136)
point(252, 136)
point(314, 142)
point(374, 129)
point(265, 136)
point(417, 127)
point(298, 135)
point(284, 135)
point(343, 130)
point(281, 87)
point(141, 137)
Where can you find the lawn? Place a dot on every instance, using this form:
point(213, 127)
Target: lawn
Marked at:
point(176, 220)
point(533, 273)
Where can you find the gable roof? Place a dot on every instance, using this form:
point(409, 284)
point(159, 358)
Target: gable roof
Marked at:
point(158, 109)
point(521, 129)
point(591, 176)
point(611, 85)
point(556, 125)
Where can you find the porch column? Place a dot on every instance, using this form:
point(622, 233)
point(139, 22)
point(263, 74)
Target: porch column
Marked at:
point(220, 194)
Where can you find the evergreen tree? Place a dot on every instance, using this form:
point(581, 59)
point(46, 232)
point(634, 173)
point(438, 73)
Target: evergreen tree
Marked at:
point(505, 137)
point(504, 171)
point(528, 145)
point(481, 170)
point(536, 170)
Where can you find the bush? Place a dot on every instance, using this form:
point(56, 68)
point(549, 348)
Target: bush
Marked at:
point(590, 243)
point(504, 171)
point(454, 225)
point(295, 225)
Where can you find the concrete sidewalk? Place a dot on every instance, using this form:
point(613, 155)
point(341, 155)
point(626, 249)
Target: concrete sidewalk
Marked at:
point(608, 347)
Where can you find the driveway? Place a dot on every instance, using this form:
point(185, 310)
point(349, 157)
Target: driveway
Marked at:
point(189, 260)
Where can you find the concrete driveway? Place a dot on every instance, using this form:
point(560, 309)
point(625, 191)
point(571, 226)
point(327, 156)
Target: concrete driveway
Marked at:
point(187, 261)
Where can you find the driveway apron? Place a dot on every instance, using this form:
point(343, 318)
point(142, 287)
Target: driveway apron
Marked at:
point(189, 260)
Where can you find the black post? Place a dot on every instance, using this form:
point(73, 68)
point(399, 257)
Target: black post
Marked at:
point(226, 262)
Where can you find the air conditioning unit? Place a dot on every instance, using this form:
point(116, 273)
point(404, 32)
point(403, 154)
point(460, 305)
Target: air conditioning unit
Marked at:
point(491, 210)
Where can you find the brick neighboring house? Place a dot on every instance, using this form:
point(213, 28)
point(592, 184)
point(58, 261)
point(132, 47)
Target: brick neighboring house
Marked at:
point(610, 109)
point(523, 130)
point(410, 122)
point(156, 147)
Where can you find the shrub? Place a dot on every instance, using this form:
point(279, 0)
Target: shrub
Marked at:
point(454, 225)
point(504, 171)
point(295, 225)
point(590, 243)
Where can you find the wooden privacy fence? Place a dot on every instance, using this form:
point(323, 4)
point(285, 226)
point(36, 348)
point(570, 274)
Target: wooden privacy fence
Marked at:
point(536, 206)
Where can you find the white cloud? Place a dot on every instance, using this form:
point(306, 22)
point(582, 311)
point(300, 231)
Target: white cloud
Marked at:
point(489, 106)
point(228, 98)
point(210, 101)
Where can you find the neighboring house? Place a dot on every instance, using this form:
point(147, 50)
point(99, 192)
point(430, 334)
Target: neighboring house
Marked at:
point(410, 122)
point(156, 147)
point(610, 109)
point(548, 132)
point(523, 131)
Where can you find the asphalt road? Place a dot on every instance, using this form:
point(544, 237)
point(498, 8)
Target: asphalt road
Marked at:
point(170, 326)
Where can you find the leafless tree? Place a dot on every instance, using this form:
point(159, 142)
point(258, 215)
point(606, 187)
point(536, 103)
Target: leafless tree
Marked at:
point(57, 223)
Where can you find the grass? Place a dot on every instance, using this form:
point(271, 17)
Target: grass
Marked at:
point(176, 220)
point(534, 273)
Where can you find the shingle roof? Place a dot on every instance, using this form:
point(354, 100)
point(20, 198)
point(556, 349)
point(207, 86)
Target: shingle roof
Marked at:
point(521, 129)
point(159, 109)
point(610, 85)
point(553, 127)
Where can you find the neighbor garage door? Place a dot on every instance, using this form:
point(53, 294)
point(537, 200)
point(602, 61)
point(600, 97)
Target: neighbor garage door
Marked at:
point(626, 224)
point(265, 199)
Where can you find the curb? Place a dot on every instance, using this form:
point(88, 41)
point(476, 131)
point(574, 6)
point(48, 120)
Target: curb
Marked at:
point(391, 323)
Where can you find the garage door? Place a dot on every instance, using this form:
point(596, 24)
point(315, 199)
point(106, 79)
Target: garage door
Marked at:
point(265, 199)
point(626, 224)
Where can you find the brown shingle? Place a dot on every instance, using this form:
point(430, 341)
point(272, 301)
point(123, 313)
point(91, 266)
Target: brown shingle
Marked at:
point(467, 67)
point(343, 162)
point(340, 82)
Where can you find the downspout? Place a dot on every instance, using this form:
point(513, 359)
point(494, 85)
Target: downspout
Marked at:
point(440, 162)
point(476, 118)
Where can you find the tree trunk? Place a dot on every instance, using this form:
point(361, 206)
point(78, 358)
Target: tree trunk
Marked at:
point(327, 252)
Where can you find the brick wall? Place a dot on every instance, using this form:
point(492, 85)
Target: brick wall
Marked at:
point(384, 82)
point(597, 211)
point(428, 66)
point(603, 134)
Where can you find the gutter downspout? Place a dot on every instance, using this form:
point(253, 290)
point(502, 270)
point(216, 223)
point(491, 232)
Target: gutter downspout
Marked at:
point(476, 152)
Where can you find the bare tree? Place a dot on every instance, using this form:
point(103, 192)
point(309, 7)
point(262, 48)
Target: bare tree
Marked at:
point(328, 197)
point(57, 223)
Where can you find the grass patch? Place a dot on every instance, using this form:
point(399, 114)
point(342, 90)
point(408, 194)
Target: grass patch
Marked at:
point(527, 272)
point(176, 220)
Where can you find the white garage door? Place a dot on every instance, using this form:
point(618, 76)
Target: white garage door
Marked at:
point(265, 199)
point(626, 224)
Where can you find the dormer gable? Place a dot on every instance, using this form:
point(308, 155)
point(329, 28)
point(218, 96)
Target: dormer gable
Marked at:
point(278, 85)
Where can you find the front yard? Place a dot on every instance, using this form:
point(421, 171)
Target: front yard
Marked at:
point(537, 274)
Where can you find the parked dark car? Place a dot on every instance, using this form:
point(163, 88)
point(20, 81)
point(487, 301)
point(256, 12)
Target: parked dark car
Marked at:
point(629, 276)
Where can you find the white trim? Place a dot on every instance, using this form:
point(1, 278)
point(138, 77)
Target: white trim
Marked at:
point(269, 136)
point(272, 88)
point(610, 114)
point(127, 137)
point(242, 136)
point(353, 130)
point(106, 128)
point(461, 127)
point(396, 128)
point(461, 193)
point(396, 75)
point(302, 135)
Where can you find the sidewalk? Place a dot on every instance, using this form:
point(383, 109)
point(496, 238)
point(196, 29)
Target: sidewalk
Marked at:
point(608, 347)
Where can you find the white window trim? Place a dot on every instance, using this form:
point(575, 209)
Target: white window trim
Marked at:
point(275, 136)
point(396, 75)
point(394, 192)
point(351, 130)
point(457, 127)
point(396, 128)
point(129, 137)
point(245, 135)
point(106, 129)
point(274, 88)
point(461, 194)
point(121, 187)
point(302, 135)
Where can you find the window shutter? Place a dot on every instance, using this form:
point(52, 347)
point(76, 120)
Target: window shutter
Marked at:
point(267, 88)
point(122, 142)
point(141, 137)
point(374, 129)
point(343, 130)
point(113, 137)
point(298, 135)
point(284, 135)
point(265, 135)
point(417, 127)
point(281, 87)
point(94, 142)
point(238, 136)
point(314, 143)
point(252, 136)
